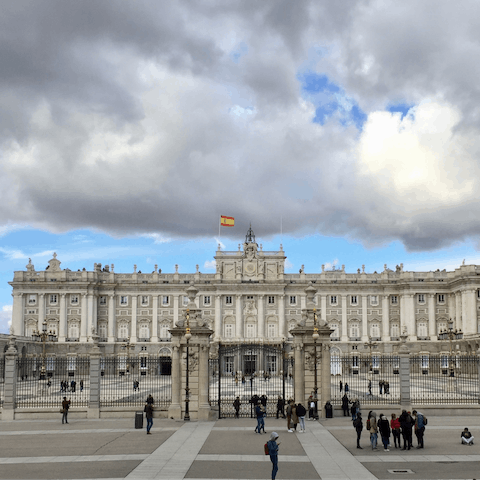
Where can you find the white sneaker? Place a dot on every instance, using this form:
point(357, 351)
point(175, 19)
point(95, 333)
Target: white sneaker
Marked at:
point(290, 431)
point(386, 450)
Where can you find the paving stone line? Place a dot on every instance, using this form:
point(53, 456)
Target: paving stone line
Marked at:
point(173, 458)
point(330, 458)
point(73, 458)
point(90, 430)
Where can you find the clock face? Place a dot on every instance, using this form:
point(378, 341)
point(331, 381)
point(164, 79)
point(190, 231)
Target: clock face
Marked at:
point(250, 268)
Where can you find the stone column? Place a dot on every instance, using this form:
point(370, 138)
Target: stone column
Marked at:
point(281, 316)
point(344, 319)
point(385, 319)
point(95, 314)
point(90, 323)
point(323, 313)
point(83, 325)
point(175, 409)
point(431, 317)
point(325, 379)
point(93, 410)
point(365, 332)
point(404, 373)
point(175, 309)
point(203, 405)
point(62, 328)
point(458, 310)
point(261, 317)
point(403, 324)
point(218, 318)
point(155, 319)
point(299, 373)
point(112, 327)
point(41, 311)
point(17, 315)
point(410, 314)
point(471, 322)
point(452, 306)
point(133, 329)
point(464, 324)
point(8, 411)
point(238, 317)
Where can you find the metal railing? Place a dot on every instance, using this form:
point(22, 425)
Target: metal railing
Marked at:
point(444, 379)
point(68, 377)
point(368, 378)
point(2, 380)
point(129, 381)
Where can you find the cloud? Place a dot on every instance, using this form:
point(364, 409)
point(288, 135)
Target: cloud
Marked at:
point(5, 318)
point(331, 265)
point(210, 265)
point(288, 264)
point(12, 254)
point(151, 118)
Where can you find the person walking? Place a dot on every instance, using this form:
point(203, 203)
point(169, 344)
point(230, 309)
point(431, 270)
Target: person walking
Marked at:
point(236, 406)
point(345, 403)
point(395, 426)
point(358, 425)
point(149, 416)
point(273, 451)
point(294, 416)
point(419, 427)
point(341, 386)
point(301, 412)
point(280, 407)
point(259, 414)
point(406, 424)
point(353, 410)
point(373, 430)
point(311, 408)
point(384, 429)
point(347, 388)
point(289, 416)
point(65, 407)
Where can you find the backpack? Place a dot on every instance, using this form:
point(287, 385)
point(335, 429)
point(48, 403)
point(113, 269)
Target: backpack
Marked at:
point(266, 449)
point(368, 424)
point(425, 421)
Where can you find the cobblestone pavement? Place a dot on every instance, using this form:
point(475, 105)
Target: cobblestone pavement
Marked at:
point(226, 449)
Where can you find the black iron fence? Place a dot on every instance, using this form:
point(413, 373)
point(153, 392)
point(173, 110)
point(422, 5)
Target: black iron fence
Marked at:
point(2, 380)
point(368, 378)
point(128, 381)
point(251, 373)
point(444, 379)
point(44, 382)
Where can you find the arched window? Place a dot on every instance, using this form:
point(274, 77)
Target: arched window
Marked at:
point(271, 330)
point(395, 330)
point(144, 331)
point(102, 330)
point(422, 330)
point(73, 331)
point(229, 330)
point(354, 330)
point(164, 332)
point(250, 330)
point(123, 330)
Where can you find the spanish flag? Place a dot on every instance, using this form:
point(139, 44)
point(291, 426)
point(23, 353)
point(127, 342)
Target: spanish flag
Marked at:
point(227, 221)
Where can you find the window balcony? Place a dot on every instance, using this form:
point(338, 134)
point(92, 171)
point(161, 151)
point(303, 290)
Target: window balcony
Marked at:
point(354, 339)
point(144, 339)
point(68, 339)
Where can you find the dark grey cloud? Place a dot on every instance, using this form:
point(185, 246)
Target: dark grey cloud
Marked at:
point(134, 117)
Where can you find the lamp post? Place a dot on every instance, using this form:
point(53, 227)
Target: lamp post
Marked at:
point(371, 344)
point(188, 336)
point(315, 337)
point(451, 334)
point(43, 337)
point(127, 346)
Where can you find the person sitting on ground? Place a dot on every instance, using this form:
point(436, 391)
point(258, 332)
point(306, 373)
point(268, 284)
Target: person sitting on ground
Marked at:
point(467, 437)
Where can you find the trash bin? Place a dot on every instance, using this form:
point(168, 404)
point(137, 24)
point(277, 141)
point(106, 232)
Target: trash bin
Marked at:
point(328, 410)
point(138, 419)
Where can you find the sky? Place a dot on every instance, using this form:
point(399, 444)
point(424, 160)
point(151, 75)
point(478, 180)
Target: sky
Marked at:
point(347, 131)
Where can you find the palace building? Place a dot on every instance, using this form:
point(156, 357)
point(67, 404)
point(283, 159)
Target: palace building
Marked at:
point(249, 299)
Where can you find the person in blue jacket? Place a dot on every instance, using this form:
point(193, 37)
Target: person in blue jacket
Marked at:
point(273, 451)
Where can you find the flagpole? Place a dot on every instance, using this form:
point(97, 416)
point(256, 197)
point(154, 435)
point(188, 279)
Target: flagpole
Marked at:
point(219, 226)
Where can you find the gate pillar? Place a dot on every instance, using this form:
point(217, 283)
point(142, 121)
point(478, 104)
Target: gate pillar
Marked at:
point(10, 380)
point(312, 355)
point(195, 346)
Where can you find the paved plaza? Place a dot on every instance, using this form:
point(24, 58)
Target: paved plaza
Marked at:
point(226, 449)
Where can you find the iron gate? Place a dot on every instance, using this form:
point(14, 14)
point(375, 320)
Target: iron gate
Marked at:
point(248, 372)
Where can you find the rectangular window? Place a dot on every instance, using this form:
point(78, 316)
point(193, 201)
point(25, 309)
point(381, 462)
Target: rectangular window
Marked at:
point(272, 364)
point(293, 299)
point(250, 331)
point(421, 298)
point(32, 299)
point(165, 300)
point(394, 299)
point(229, 330)
point(123, 300)
point(53, 298)
point(144, 300)
point(229, 364)
point(374, 299)
point(333, 300)
point(354, 331)
point(441, 298)
point(271, 330)
point(228, 300)
point(335, 333)
point(271, 300)
point(74, 299)
point(354, 299)
point(206, 300)
point(103, 300)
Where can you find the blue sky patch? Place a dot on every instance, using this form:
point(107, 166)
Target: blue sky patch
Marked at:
point(403, 108)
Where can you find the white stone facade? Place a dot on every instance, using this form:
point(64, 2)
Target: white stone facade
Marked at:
point(249, 298)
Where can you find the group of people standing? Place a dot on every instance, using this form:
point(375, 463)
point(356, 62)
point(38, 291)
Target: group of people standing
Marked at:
point(401, 427)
